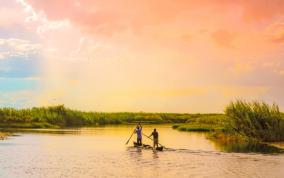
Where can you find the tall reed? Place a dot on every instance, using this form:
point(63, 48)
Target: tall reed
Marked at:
point(256, 120)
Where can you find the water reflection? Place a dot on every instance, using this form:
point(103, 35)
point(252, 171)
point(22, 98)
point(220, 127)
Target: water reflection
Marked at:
point(155, 154)
point(174, 140)
point(246, 147)
point(101, 152)
point(73, 131)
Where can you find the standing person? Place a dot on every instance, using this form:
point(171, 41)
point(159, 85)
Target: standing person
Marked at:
point(155, 135)
point(138, 131)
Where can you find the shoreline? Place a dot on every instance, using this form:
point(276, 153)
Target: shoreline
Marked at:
point(4, 135)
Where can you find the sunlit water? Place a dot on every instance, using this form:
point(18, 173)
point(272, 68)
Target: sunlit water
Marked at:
point(101, 152)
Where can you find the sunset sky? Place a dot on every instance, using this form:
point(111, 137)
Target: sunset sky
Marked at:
point(134, 55)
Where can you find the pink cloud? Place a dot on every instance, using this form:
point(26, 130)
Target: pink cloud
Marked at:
point(255, 10)
point(276, 32)
point(159, 43)
point(114, 15)
point(223, 38)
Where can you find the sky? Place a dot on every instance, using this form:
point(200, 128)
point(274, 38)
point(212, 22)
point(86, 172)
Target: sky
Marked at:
point(132, 55)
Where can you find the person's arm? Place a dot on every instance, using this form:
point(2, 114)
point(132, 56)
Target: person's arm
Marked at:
point(151, 134)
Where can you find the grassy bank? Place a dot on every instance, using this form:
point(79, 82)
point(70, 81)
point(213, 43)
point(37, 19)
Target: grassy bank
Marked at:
point(255, 120)
point(60, 116)
point(4, 135)
point(249, 121)
point(242, 120)
point(203, 123)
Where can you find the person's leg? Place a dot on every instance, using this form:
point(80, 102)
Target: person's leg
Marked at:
point(155, 143)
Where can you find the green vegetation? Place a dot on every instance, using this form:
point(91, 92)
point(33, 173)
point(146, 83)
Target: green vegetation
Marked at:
point(59, 116)
point(203, 123)
point(255, 120)
point(3, 135)
point(242, 121)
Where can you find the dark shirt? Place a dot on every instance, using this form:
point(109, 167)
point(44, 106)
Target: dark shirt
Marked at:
point(155, 134)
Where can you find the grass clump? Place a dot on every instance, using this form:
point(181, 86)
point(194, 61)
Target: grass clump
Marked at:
point(202, 123)
point(255, 120)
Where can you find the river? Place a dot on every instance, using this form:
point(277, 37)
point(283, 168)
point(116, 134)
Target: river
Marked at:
point(101, 152)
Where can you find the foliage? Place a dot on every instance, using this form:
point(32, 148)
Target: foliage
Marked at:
point(256, 120)
point(252, 120)
point(202, 123)
point(60, 116)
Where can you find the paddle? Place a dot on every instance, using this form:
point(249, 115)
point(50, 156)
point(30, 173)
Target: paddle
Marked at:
point(130, 137)
point(131, 134)
point(152, 139)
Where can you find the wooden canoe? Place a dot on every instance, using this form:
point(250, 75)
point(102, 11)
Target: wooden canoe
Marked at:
point(147, 146)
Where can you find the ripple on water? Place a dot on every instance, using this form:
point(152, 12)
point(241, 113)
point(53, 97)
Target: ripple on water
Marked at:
point(103, 155)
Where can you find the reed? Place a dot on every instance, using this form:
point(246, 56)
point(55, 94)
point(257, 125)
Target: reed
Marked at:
point(255, 120)
point(60, 116)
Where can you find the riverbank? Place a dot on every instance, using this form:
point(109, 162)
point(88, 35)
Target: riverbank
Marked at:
point(242, 121)
point(4, 135)
point(203, 123)
point(250, 121)
point(61, 117)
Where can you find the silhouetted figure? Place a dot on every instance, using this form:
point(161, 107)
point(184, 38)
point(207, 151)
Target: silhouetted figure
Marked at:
point(138, 131)
point(155, 135)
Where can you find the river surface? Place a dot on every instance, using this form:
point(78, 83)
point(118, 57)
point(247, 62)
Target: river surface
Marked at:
point(101, 152)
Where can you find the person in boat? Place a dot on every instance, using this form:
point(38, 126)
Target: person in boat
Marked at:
point(138, 131)
point(155, 135)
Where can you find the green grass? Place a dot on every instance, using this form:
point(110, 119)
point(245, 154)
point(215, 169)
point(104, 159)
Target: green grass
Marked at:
point(60, 116)
point(198, 127)
point(255, 120)
point(202, 123)
point(28, 125)
point(251, 120)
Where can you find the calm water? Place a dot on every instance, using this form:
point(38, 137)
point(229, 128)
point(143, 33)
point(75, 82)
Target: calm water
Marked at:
point(101, 152)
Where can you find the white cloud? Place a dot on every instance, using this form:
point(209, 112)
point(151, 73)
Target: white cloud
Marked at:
point(85, 50)
point(44, 24)
point(17, 47)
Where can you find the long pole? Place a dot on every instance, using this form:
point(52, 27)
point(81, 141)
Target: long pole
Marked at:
point(152, 139)
point(132, 134)
point(130, 137)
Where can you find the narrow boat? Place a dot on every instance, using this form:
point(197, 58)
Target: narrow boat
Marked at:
point(147, 146)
